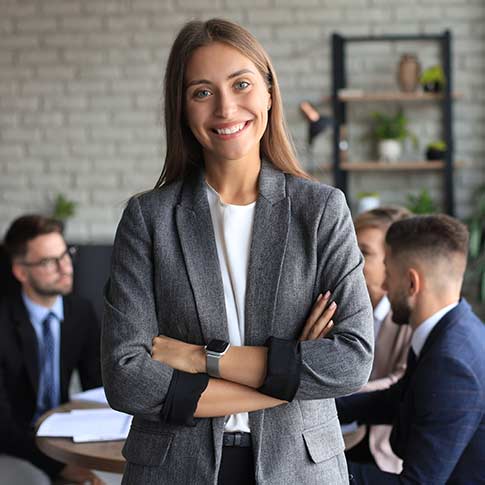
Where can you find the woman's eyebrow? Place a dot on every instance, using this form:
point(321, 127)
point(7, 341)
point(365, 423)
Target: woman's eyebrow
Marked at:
point(206, 81)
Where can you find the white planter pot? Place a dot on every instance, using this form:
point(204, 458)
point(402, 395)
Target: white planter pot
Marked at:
point(367, 203)
point(389, 150)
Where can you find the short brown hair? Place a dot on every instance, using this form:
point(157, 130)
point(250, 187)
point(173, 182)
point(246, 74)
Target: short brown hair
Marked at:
point(381, 217)
point(431, 236)
point(26, 228)
point(184, 152)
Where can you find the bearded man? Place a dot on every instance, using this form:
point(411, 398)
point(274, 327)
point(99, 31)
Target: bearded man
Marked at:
point(45, 334)
point(437, 409)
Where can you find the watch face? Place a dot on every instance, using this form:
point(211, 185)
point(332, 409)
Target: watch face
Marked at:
point(216, 345)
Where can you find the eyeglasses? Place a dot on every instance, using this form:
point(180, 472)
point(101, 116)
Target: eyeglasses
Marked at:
point(53, 264)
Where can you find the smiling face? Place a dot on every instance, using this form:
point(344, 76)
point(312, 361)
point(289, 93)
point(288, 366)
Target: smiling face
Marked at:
point(226, 104)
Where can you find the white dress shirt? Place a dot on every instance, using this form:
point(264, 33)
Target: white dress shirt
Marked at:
point(422, 332)
point(233, 228)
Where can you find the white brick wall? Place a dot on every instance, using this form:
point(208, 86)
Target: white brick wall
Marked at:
point(80, 92)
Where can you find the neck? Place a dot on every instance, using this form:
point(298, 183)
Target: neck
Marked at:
point(235, 181)
point(42, 300)
point(428, 305)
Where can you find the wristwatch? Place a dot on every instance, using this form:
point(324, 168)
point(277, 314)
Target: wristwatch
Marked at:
point(214, 350)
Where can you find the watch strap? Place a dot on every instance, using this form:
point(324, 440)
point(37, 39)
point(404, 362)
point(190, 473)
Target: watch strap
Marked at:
point(213, 364)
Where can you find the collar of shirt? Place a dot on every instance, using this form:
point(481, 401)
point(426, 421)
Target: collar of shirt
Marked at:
point(380, 313)
point(422, 332)
point(37, 313)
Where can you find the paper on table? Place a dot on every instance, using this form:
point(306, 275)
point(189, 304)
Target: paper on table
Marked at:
point(93, 395)
point(87, 425)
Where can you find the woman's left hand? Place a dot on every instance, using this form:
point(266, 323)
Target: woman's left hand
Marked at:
point(178, 355)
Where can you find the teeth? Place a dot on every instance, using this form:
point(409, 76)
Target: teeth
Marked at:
point(230, 131)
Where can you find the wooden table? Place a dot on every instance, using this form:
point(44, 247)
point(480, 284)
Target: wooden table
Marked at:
point(105, 455)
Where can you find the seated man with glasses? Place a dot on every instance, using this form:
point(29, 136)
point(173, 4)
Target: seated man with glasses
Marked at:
point(45, 334)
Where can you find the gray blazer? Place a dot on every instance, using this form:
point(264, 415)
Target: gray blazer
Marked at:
point(165, 279)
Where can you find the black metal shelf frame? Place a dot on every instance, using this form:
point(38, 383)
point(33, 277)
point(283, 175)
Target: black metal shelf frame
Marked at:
point(339, 81)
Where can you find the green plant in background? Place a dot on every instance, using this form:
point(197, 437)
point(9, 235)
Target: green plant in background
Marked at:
point(433, 79)
point(63, 208)
point(433, 75)
point(476, 224)
point(392, 127)
point(438, 145)
point(421, 203)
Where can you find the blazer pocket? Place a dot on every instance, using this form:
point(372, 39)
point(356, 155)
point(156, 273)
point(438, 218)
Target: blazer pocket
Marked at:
point(324, 441)
point(148, 449)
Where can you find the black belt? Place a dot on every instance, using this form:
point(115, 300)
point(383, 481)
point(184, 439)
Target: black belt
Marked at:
point(242, 440)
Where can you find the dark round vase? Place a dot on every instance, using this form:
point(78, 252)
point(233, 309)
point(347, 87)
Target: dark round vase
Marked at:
point(433, 87)
point(434, 154)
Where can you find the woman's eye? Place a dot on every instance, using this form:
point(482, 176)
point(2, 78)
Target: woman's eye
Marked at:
point(242, 85)
point(203, 93)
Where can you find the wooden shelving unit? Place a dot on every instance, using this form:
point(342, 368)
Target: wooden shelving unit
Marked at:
point(368, 97)
point(342, 95)
point(401, 165)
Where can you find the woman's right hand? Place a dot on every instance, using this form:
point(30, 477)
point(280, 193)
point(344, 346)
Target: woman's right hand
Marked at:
point(319, 323)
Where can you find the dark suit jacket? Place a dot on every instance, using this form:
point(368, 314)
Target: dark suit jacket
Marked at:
point(19, 371)
point(437, 409)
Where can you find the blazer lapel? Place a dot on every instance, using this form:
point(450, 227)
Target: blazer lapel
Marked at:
point(28, 341)
point(194, 225)
point(268, 247)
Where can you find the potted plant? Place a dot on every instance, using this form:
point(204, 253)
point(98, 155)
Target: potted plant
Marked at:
point(433, 79)
point(390, 131)
point(421, 203)
point(63, 208)
point(367, 201)
point(436, 150)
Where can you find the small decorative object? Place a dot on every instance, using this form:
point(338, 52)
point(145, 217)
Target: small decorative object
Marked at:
point(436, 150)
point(389, 132)
point(63, 208)
point(316, 122)
point(408, 73)
point(433, 79)
point(367, 201)
point(421, 203)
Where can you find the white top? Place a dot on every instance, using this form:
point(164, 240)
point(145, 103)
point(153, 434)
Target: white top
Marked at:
point(380, 313)
point(233, 228)
point(422, 332)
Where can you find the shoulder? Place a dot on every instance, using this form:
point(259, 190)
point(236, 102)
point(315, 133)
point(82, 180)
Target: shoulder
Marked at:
point(165, 196)
point(312, 193)
point(77, 304)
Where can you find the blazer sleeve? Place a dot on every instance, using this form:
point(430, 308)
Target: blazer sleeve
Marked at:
point(90, 365)
point(340, 364)
point(134, 383)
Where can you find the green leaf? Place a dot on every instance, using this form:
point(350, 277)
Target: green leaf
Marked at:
point(475, 238)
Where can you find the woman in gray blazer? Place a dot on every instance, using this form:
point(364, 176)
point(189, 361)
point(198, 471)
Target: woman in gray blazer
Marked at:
point(210, 338)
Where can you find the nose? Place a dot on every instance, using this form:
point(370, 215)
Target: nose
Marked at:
point(226, 105)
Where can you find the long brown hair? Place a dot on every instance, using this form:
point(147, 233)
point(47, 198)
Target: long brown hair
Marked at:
point(184, 152)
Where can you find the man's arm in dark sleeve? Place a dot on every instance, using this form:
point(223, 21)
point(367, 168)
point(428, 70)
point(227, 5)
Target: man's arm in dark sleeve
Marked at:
point(378, 407)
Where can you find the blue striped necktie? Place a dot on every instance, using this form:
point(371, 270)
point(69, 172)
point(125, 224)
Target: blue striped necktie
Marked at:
point(48, 397)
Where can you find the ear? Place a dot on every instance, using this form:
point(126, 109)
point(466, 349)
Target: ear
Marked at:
point(270, 100)
point(415, 282)
point(19, 272)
